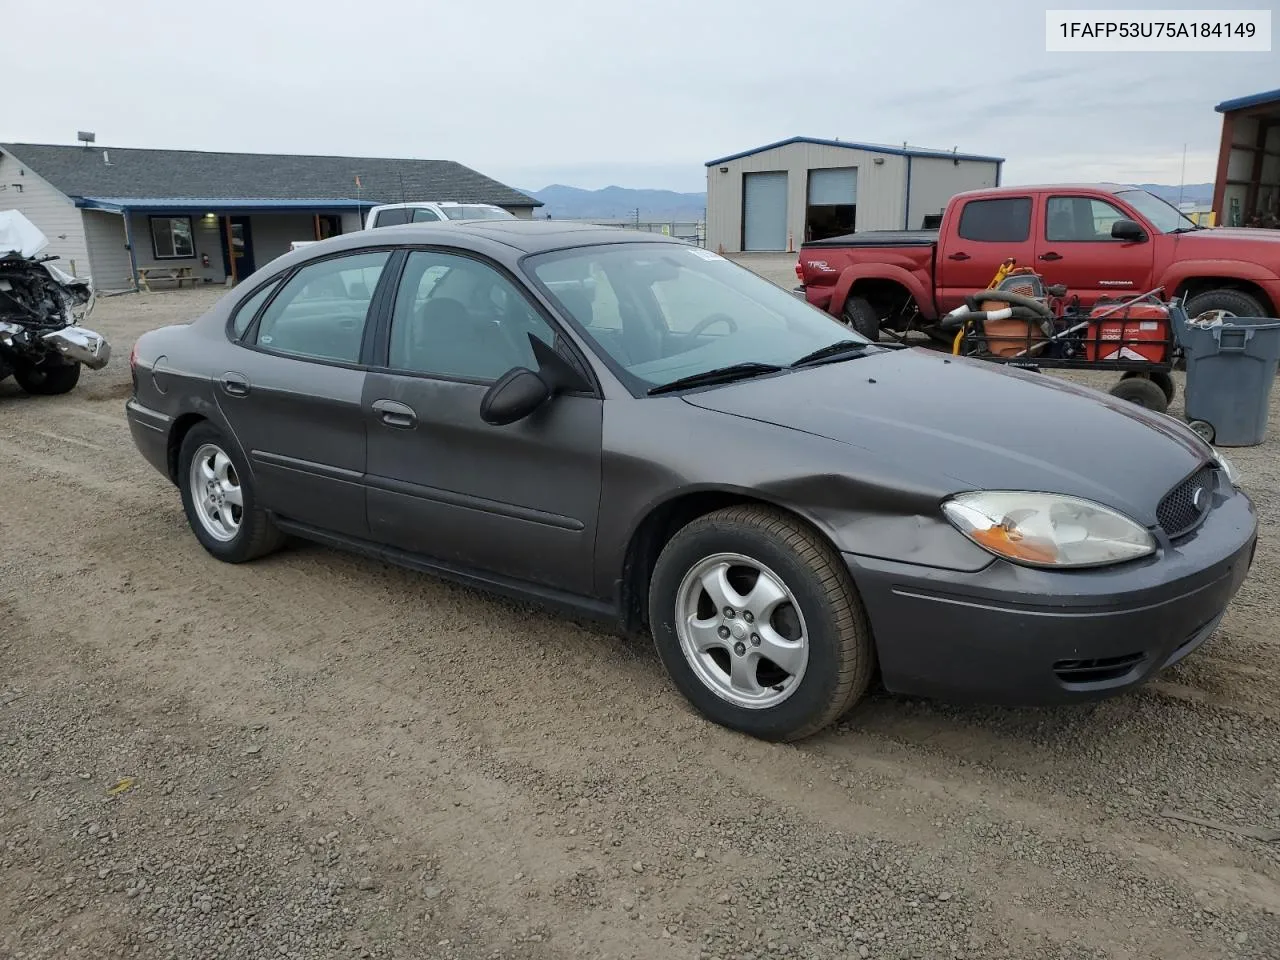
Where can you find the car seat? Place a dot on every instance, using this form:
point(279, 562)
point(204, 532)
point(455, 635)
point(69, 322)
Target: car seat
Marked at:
point(446, 338)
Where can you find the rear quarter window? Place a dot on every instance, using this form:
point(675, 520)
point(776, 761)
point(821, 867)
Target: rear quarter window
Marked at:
point(248, 308)
point(999, 220)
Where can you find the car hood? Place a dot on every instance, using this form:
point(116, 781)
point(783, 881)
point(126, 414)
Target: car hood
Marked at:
point(959, 424)
point(1209, 242)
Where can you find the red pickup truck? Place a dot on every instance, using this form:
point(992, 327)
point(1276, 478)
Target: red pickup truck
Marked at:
point(1098, 239)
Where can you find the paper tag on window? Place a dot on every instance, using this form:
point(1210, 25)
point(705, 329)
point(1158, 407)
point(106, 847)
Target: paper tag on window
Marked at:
point(705, 254)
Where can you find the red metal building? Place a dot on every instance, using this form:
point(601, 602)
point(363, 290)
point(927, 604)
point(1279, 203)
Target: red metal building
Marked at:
point(1247, 188)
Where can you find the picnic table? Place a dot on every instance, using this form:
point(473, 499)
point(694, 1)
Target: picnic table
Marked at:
point(175, 273)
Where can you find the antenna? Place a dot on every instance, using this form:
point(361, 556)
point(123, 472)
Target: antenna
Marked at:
point(403, 199)
point(1182, 181)
point(86, 137)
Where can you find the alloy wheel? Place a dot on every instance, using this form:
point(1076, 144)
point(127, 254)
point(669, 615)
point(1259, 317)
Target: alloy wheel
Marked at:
point(741, 630)
point(216, 492)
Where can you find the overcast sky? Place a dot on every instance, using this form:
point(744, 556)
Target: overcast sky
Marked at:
point(639, 93)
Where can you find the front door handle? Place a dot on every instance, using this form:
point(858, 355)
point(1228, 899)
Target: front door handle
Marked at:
point(234, 385)
point(958, 256)
point(395, 414)
point(1050, 256)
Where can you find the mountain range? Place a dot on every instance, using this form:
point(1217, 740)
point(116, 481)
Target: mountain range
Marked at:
point(622, 203)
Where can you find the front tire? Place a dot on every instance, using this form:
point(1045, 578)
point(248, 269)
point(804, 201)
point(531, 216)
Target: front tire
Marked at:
point(1224, 303)
point(218, 497)
point(48, 379)
point(759, 625)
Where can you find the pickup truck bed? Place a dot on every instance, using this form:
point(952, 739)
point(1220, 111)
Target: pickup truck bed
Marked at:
point(878, 238)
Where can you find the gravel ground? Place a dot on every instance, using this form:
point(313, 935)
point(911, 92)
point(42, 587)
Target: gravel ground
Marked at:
point(321, 756)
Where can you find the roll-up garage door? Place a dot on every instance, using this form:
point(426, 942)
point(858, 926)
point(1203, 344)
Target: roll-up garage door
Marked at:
point(837, 186)
point(764, 211)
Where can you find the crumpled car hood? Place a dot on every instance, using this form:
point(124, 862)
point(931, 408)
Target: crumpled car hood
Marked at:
point(966, 424)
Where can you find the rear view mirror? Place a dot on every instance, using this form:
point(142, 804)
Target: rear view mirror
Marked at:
point(1129, 230)
point(517, 394)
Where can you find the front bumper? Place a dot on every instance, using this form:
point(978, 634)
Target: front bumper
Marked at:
point(1018, 636)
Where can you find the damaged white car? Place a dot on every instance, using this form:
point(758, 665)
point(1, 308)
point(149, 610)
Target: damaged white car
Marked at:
point(42, 344)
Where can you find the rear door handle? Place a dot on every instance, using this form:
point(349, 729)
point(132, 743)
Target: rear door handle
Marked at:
point(395, 414)
point(1050, 256)
point(235, 385)
point(958, 256)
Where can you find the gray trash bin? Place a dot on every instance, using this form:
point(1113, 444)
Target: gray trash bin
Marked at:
point(1231, 364)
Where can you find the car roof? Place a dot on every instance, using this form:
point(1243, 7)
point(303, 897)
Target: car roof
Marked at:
point(1025, 188)
point(525, 236)
point(436, 203)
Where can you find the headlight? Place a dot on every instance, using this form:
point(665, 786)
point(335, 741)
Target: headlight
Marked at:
point(1228, 468)
point(1047, 530)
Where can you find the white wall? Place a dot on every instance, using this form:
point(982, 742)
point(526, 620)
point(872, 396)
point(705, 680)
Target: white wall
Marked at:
point(108, 254)
point(881, 189)
point(56, 216)
point(934, 181)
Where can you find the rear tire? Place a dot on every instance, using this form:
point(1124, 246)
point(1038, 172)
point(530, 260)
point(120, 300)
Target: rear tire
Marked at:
point(218, 497)
point(1231, 303)
point(1143, 392)
point(48, 379)
point(859, 314)
point(789, 597)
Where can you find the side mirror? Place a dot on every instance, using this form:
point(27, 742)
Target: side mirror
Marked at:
point(1129, 230)
point(517, 394)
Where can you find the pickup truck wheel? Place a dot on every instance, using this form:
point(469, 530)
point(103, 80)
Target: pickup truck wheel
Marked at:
point(48, 379)
point(1228, 303)
point(759, 624)
point(1143, 392)
point(859, 314)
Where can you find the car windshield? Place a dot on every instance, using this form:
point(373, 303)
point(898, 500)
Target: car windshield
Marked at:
point(472, 211)
point(661, 312)
point(1163, 215)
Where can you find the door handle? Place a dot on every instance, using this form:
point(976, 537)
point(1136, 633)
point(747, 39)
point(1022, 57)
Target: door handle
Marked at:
point(958, 256)
point(234, 385)
point(1050, 256)
point(395, 414)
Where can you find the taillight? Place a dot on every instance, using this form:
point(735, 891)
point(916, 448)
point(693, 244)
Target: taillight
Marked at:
point(133, 358)
point(799, 271)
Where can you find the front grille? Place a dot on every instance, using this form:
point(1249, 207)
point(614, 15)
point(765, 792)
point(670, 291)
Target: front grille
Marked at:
point(1185, 505)
point(1097, 670)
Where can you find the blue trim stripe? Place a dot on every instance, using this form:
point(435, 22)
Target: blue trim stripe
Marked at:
point(1254, 100)
point(868, 147)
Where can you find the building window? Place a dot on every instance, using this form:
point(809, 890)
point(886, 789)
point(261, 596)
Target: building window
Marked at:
point(172, 239)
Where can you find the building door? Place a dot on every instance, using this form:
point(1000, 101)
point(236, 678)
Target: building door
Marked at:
point(236, 229)
point(833, 201)
point(764, 211)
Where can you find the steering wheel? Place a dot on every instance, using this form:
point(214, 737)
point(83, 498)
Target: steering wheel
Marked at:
point(713, 319)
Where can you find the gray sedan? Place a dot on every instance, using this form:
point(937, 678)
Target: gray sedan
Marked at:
point(638, 430)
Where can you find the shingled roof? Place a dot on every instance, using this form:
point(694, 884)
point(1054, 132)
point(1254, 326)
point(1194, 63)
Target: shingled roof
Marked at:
point(80, 171)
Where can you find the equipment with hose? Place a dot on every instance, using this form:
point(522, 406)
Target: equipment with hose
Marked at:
point(1021, 321)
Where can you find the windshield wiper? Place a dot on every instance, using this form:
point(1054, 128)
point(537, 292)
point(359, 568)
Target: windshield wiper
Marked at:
point(840, 350)
point(1190, 229)
point(735, 371)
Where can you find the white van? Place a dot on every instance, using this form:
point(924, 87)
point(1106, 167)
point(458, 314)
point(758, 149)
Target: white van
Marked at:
point(425, 211)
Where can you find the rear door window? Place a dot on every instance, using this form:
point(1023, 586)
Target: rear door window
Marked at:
point(999, 220)
point(321, 311)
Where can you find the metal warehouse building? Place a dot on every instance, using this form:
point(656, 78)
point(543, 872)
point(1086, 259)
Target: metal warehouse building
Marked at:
point(1247, 187)
point(775, 197)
